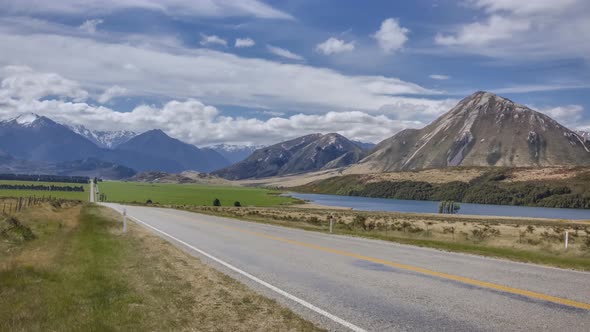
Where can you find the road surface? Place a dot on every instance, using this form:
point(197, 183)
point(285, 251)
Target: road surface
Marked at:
point(345, 283)
point(92, 195)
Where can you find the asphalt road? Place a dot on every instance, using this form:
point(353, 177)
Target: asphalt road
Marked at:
point(345, 283)
point(92, 196)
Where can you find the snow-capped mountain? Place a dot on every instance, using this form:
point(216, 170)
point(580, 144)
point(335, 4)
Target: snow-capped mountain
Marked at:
point(104, 139)
point(235, 153)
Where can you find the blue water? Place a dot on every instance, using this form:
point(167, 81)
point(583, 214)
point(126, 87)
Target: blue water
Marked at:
point(399, 205)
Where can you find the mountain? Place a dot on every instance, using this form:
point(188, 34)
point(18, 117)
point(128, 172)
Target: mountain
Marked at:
point(482, 130)
point(87, 167)
point(154, 150)
point(235, 153)
point(304, 154)
point(103, 139)
point(37, 138)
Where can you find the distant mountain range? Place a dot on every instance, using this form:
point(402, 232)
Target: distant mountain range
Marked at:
point(30, 138)
point(482, 130)
point(304, 154)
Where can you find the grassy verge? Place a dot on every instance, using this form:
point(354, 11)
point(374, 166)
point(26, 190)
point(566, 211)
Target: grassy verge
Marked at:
point(522, 240)
point(79, 273)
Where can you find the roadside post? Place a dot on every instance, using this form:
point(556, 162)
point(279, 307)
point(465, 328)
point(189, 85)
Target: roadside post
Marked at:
point(567, 235)
point(124, 220)
point(331, 222)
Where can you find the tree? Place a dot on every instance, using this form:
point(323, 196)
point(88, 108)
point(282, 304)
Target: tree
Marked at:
point(216, 202)
point(237, 204)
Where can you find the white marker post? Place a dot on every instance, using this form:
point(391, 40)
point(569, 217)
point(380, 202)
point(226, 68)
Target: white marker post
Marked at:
point(124, 220)
point(331, 222)
point(567, 234)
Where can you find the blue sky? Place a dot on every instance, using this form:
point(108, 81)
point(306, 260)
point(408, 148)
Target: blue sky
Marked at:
point(257, 72)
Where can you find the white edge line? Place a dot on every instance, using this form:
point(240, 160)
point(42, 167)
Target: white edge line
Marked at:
point(261, 282)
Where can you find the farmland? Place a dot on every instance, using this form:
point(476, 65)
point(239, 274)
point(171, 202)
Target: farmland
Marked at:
point(70, 195)
point(189, 194)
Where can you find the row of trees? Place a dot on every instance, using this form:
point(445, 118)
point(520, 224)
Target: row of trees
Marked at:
point(40, 187)
point(45, 178)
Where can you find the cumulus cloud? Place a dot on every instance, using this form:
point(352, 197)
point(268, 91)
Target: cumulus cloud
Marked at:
point(244, 42)
point(284, 53)
point(568, 115)
point(26, 84)
point(112, 92)
point(334, 46)
point(391, 36)
point(192, 120)
point(540, 29)
point(207, 8)
point(207, 40)
point(439, 77)
point(89, 26)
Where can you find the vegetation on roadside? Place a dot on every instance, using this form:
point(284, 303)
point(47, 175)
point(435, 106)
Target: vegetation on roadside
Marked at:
point(190, 194)
point(537, 241)
point(78, 272)
point(59, 190)
point(494, 186)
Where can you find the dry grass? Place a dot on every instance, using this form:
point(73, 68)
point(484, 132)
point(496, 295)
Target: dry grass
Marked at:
point(540, 174)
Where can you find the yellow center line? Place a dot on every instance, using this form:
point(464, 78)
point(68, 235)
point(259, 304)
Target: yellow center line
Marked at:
point(465, 280)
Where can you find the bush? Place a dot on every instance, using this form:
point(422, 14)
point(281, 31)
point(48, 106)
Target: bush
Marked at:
point(149, 201)
point(216, 202)
point(359, 221)
point(237, 204)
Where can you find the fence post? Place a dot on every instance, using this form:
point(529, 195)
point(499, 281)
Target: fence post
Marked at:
point(124, 220)
point(331, 222)
point(567, 233)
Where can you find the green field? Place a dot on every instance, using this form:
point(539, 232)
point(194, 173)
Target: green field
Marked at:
point(189, 194)
point(82, 196)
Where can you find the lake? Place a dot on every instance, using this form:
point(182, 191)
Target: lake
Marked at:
point(399, 205)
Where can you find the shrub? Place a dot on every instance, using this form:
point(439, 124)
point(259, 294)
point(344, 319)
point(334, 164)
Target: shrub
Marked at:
point(237, 204)
point(359, 221)
point(149, 201)
point(216, 202)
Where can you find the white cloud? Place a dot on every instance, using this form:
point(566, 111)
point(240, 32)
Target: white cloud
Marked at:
point(525, 30)
point(334, 46)
point(568, 115)
point(89, 26)
point(112, 92)
point(439, 77)
point(213, 8)
point(285, 53)
point(195, 122)
point(244, 42)
point(391, 36)
point(525, 88)
point(170, 71)
point(24, 83)
point(207, 40)
point(496, 28)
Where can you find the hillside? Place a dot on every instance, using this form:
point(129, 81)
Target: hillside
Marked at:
point(558, 187)
point(482, 130)
point(304, 154)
